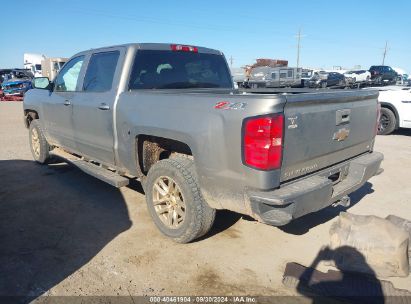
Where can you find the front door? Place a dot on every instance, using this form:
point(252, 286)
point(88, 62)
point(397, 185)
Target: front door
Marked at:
point(58, 110)
point(93, 107)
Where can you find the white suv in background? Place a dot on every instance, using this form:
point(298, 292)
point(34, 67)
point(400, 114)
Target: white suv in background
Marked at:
point(395, 109)
point(358, 75)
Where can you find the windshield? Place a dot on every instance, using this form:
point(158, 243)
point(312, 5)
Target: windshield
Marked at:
point(307, 74)
point(179, 70)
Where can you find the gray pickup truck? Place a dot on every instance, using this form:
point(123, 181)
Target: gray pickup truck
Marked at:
point(169, 116)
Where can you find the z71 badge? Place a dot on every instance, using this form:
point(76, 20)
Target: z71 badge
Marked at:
point(292, 122)
point(226, 105)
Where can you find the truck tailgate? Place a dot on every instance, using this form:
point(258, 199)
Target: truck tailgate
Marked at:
point(324, 129)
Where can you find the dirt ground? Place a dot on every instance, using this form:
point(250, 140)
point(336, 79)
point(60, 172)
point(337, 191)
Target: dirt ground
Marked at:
point(63, 232)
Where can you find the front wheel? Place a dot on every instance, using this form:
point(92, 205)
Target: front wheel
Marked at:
point(387, 122)
point(38, 143)
point(175, 202)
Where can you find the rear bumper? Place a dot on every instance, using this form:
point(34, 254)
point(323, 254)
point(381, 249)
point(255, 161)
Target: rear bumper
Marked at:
point(313, 193)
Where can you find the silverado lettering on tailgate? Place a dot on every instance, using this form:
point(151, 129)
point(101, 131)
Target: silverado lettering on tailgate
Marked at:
point(300, 171)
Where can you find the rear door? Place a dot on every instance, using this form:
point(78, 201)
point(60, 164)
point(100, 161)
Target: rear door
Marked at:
point(94, 105)
point(322, 129)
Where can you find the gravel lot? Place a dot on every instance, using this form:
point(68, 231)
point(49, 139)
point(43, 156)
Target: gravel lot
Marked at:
point(63, 232)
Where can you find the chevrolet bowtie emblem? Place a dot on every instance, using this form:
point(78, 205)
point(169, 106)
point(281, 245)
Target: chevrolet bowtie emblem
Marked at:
point(341, 134)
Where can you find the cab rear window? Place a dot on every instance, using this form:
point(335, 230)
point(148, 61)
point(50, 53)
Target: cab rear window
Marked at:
point(155, 69)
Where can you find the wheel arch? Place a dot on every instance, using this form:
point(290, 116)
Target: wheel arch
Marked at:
point(29, 116)
point(150, 149)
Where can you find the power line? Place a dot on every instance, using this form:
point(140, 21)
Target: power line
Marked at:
point(298, 46)
point(385, 52)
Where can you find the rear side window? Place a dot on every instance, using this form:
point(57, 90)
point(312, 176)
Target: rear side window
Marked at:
point(179, 70)
point(290, 73)
point(100, 72)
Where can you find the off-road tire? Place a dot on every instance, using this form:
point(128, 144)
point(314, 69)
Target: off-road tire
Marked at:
point(390, 122)
point(43, 155)
point(199, 217)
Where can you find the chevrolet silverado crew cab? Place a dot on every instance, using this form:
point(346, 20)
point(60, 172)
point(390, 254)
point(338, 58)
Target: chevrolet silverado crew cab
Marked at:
point(169, 116)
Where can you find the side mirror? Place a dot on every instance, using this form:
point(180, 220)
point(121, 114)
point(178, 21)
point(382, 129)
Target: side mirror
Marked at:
point(42, 83)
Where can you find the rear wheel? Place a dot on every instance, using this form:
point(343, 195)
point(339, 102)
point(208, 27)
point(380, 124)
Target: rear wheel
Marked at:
point(38, 143)
point(175, 202)
point(387, 122)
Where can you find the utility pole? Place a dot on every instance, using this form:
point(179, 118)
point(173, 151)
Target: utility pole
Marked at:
point(231, 61)
point(298, 47)
point(385, 52)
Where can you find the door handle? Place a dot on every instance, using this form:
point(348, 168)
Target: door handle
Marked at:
point(104, 106)
point(67, 102)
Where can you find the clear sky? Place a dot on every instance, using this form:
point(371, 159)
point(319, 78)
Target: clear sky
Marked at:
point(336, 33)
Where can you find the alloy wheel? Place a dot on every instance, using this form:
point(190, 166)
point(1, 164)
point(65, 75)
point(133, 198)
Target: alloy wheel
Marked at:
point(168, 202)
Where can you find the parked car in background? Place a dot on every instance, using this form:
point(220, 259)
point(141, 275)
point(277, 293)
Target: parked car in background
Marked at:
point(16, 87)
point(322, 79)
point(395, 109)
point(383, 74)
point(358, 76)
point(17, 82)
point(306, 76)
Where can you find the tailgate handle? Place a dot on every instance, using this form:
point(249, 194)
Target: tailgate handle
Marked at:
point(342, 117)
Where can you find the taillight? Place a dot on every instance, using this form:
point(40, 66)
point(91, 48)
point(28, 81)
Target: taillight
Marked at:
point(262, 142)
point(378, 118)
point(183, 48)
